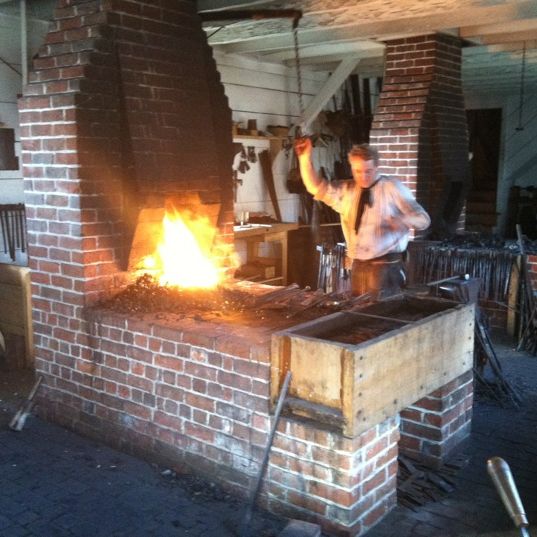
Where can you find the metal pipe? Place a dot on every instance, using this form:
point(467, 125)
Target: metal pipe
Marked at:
point(24, 42)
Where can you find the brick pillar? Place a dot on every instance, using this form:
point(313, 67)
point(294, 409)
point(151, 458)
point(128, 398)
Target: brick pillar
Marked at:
point(433, 426)
point(420, 126)
point(345, 485)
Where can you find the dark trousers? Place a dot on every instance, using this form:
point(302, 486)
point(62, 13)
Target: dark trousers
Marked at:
point(380, 277)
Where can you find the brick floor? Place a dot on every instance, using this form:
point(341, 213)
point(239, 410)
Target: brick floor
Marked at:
point(55, 483)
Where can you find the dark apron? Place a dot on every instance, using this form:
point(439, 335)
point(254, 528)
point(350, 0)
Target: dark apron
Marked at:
point(381, 277)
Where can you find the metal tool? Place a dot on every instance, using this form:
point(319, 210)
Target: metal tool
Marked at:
point(245, 526)
point(502, 478)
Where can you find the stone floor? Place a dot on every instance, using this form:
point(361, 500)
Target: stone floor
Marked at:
point(55, 483)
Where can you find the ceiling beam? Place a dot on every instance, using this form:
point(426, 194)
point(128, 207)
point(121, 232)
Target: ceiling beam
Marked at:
point(382, 28)
point(499, 28)
point(344, 69)
point(360, 49)
point(508, 37)
point(220, 5)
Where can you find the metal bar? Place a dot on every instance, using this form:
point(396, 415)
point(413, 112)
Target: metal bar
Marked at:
point(24, 42)
point(245, 531)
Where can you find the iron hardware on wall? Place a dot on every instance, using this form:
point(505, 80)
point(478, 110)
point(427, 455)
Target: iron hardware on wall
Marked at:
point(13, 226)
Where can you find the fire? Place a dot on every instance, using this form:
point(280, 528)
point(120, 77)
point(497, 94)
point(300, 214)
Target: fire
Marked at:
point(183, 255)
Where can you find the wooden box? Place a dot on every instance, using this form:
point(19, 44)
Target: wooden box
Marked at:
point(352, 370)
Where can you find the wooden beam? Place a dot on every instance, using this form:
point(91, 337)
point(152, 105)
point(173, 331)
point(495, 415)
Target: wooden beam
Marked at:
point(509, 37)
point(219, 5)
point(360, 49)
point(345, 68)
point(387, 28)
point(499, 28)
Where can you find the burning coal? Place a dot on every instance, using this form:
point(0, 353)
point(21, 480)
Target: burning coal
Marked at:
point(147, 295)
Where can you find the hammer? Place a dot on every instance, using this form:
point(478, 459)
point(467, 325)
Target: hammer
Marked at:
point(502, 478)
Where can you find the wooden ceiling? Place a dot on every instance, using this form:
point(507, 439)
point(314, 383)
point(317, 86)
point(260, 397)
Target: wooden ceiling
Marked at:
point(495, 34)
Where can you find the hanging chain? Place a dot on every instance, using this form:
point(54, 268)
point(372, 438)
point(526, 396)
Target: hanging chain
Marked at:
point(522, 83)
point(298, 70)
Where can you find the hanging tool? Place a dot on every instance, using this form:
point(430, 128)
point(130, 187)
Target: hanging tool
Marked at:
point(268, 178)
point(502, 478)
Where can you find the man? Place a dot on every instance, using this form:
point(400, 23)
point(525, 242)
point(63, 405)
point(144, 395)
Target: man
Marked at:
point(376, 214)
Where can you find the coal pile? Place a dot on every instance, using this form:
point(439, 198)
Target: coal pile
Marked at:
point(146, 295)
point(283, 305)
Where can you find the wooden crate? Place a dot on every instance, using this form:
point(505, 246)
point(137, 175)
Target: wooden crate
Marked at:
point(354, 386)
point(16, 314)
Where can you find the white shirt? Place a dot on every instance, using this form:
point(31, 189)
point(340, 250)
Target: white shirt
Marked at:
point(385, 226)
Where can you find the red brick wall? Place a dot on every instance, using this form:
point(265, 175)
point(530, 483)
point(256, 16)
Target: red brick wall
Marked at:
point(434, 425)
point(346, 485)
point(419, 125)
point(198, 394)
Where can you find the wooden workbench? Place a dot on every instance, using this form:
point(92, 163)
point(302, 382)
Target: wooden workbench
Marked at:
point(255, 235)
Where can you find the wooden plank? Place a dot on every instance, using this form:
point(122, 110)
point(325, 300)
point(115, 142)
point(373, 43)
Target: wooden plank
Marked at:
point(280, 352)
point(400, 368)
point(512, 297)
point(317, 368)
point(344, 69)
point(13, 308)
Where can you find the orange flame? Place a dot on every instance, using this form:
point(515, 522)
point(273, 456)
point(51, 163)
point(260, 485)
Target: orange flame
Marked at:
point(184, 255)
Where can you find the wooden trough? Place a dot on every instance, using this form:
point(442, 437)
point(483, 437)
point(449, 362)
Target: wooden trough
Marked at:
point(352, 370)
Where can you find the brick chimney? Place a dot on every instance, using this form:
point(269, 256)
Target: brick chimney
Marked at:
point(420, 125)
point(124, 111)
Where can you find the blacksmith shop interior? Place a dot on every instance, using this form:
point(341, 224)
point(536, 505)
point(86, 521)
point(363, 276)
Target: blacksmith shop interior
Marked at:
point(192, 269)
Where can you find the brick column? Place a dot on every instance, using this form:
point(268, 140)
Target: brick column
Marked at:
point(420, 126)
point(345, 485)
point(433, 426)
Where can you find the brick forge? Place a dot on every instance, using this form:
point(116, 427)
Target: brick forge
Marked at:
point(193, 393)
point(196, 395)
point(420, 126)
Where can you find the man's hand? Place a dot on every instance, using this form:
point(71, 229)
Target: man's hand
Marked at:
point(303, 147)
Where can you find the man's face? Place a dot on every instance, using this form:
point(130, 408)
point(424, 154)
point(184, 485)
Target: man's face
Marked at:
point(364, 172)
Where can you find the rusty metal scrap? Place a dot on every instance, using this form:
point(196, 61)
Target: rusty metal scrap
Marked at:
point(418, 484)
point(146, 295)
